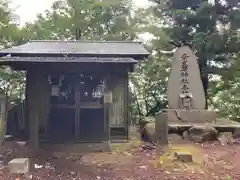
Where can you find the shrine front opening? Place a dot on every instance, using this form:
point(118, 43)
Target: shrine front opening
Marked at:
point(77, 107)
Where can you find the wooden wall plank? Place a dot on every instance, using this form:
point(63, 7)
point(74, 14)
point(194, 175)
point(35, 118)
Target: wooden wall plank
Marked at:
point(116, 109)
point(119, 107)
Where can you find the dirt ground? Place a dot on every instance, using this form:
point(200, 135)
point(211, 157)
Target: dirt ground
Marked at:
point(133, 161)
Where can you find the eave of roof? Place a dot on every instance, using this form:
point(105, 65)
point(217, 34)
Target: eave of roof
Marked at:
point(66, 59)
point(48, 48)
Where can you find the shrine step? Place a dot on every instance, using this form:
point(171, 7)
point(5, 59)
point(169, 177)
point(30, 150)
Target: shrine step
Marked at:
point(118, 133)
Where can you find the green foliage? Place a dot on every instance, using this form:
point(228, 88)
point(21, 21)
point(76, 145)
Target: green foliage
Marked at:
point(211, 29)
point(226, 92)
point(149, 85)
point(7, 26)
point(96, 20)
point(11, 82)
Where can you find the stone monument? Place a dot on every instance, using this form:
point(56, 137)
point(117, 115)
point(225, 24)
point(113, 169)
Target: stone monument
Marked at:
point(185, 89)
point(186, 97)
point(186, 114)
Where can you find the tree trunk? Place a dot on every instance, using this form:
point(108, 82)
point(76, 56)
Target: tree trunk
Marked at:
point(204, 77)
point(205, 87)
point(3, 122)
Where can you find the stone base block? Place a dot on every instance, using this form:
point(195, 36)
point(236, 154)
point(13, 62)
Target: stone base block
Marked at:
point(192, 116)
point(19, 166)
point(161, 128)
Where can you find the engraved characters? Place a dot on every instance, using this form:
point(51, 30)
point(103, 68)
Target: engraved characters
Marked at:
point(185, 95)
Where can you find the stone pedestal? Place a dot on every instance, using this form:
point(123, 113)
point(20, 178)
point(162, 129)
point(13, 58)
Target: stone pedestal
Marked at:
point(190, 116)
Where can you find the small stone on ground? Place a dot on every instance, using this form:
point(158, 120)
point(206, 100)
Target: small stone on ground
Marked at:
point(19, 166)
point(183, 156)
point(226, 138)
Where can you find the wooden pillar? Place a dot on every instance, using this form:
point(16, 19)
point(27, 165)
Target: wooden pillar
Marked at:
point(107, 104)
point(126, 104)
point(26, 120)
point(44, 101)
point(38, 104)
point(77, 111)
point(33, 98)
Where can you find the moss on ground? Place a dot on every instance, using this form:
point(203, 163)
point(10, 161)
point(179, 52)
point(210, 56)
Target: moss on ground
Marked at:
point(167, 159)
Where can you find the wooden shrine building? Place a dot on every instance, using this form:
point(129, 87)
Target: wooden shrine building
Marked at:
point(75, 90)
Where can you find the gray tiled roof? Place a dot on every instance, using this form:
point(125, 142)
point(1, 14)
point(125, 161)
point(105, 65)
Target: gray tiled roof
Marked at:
point(79, 48)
